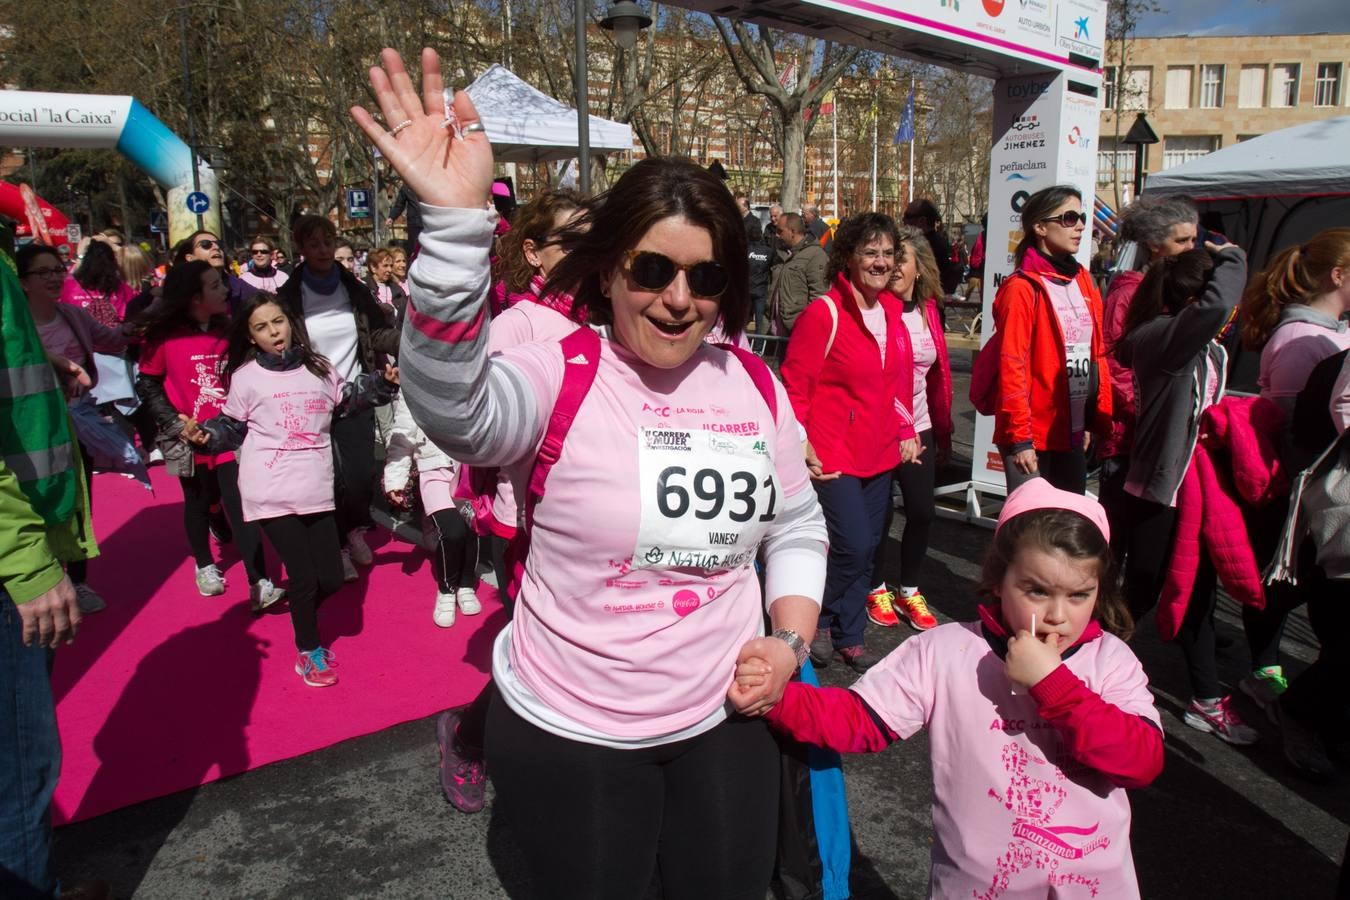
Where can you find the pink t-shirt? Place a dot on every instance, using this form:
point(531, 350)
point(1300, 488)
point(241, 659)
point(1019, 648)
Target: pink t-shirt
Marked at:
point(523, 323)
point(58, 338)
point(1287, 360)
point(107, 309)
point(925, 356)
point(875, 320)
point(191, 363)
point(285, 464)
point(1014, 816)
point(634, 631)
point(270, 283)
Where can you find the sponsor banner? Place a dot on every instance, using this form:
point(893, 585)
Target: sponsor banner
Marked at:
point(1080, 27)
point(38, 119)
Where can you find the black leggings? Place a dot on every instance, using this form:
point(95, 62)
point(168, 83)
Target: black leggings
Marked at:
point(354, 470)
point(917, 482)
point(455, 558)
point(204, 489)
point(1141, 533)
point(1065, 469)
point(78, 569)
point(1316, 698)
point(1196, 635)
point(596, 822)
point(497, 546)
point(309, 549)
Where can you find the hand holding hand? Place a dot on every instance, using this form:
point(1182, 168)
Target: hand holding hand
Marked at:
point(762, 689)
point(398, 499)
point(51, 618)
point(426, 140)
point(1030, 658)
point(391, 374)
point(192, 432)
point(813, 465)
point(910, 450)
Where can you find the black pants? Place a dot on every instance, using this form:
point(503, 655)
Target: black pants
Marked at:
point(309, 549)
point(596, 823)
point(206, 488)
point(1065, 469)
point(78, 569)
point(1196, 635)
point(455, 558)
point(1316, 697)
point(354, 470)
point(917, 482)
point(1141, 542)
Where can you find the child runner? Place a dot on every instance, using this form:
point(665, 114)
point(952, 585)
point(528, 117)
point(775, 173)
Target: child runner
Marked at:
point(283, 399)
point(455, 555)
point(182, 359)
point(1038, 718)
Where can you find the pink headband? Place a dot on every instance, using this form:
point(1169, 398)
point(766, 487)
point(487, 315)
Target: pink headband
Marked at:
point(1041, 494)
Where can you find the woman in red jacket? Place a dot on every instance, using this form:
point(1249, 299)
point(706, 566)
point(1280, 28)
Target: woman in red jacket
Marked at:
point(849, 373)
point(917, 285)
point(1054, 387)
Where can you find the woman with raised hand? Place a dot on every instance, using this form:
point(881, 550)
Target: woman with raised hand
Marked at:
point(638, 593)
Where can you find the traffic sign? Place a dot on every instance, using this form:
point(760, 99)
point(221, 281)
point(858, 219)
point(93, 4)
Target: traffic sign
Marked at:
point(198, 203)
point(73, 233)
point(358, 203)
point(159, 221)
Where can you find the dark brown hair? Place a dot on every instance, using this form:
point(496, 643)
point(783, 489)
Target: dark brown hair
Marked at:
point(531, 222)
point(1296, 275)
point(1169, 284)
point(242, 349)
point(173, 310)
point(1040, 205)
point(305, 226)
point(651, 191)
point(1078, 538)
point(859, 231)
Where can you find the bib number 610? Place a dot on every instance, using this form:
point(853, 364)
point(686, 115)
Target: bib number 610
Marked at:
point(710, 489)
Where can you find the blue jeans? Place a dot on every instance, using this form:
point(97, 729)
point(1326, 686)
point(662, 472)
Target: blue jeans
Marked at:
point(30, 760)
point(855, 513)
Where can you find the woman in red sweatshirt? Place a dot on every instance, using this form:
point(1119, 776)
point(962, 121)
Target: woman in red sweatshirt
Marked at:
point(849, 374)
point(1054, 387)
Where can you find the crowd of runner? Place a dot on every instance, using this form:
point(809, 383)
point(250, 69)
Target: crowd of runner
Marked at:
point(564, 389)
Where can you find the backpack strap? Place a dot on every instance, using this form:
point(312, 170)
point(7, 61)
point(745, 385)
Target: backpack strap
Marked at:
point(581, 360)
point(759, 373)
point(834, 323)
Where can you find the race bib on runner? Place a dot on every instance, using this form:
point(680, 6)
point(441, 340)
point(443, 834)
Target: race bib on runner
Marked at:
point(1078, 362)
point(707, 498)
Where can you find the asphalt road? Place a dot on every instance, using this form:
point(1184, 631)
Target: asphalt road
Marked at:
point(365, 818)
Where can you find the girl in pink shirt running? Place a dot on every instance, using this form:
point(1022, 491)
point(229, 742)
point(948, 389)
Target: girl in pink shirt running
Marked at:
point(1038, 718)
point(283, 398)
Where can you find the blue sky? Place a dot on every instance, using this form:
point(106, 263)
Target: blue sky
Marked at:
point(1246, 17)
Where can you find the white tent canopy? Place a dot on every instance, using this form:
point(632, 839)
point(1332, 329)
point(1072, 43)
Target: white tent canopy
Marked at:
point(1300, 161)
point(526, 125)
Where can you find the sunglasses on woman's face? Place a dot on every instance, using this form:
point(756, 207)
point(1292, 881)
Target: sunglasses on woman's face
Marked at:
point(1068, 219)
point(655, 271)
point(207, 245)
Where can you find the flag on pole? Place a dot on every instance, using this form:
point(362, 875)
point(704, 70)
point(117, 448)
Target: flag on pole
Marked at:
point(905, 133)
point(827, 104)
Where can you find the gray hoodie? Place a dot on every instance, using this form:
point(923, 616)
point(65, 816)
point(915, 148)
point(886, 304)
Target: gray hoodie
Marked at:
point(1172, 357)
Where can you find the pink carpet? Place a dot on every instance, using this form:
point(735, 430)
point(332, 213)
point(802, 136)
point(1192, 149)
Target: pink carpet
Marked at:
point(168, 690)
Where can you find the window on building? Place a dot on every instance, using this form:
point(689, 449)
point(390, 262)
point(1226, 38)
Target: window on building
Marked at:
point(1284, 85)
point(1109, 87)
point(1177, 94)
point(736, 142)
point(663, 137)
point(1114, 161)
point(1252, 87)
point(1178, 149)
point(1211, 87)
point(1328, 85)
point(1138, 88)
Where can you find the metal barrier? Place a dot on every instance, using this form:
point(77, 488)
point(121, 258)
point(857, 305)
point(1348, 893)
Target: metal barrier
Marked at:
point(770, 347)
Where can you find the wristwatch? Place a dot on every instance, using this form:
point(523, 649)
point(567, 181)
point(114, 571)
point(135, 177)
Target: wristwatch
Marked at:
point(794, 642)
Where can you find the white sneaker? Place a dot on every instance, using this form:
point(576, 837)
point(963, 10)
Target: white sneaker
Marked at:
point(359, 549)
point(444, 614)
point(155, 456)
point(88, 599)
point(348, 570)
point(263, 594)
point(468, 601)
point(210, 583)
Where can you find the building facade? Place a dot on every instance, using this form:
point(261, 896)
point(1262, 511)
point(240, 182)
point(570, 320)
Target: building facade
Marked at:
point(1205, 93)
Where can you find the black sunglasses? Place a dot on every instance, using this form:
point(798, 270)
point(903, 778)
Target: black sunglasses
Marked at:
point(261, 251)
point(654, 271)
point(207, 245)
point(1068, 219)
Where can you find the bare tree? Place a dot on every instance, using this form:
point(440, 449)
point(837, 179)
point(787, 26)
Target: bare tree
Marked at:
point(1122, 22)
point(755, 52)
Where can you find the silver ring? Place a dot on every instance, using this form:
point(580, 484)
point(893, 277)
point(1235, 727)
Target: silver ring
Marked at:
point(474, 127)
point(406, 123)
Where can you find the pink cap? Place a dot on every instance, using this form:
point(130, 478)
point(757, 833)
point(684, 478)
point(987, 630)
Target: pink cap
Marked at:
point(1041, 494)
point(499, 189)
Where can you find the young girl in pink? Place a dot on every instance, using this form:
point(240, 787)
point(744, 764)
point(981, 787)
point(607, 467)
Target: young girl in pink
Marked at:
point(283, 398)
point(1038, 718)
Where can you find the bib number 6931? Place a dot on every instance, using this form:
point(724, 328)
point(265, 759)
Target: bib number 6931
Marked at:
point(710, 494)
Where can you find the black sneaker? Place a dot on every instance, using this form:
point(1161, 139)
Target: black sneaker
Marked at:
point(822, 648)
point(858, 658)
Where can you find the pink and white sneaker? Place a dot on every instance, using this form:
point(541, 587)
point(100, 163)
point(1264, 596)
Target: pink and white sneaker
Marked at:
point(1220, 719)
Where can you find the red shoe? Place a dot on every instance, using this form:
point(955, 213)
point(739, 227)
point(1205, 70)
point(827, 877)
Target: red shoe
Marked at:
point(915, 608)
point(880, 609)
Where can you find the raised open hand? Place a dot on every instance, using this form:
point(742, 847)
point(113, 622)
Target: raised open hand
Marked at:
point(439, 148)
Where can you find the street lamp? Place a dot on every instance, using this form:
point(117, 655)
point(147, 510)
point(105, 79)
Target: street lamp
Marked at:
point(1140, 136)
point(625, 19)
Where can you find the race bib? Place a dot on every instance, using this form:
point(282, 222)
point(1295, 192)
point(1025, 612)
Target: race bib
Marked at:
point(1078, 362)
point(707, 498)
